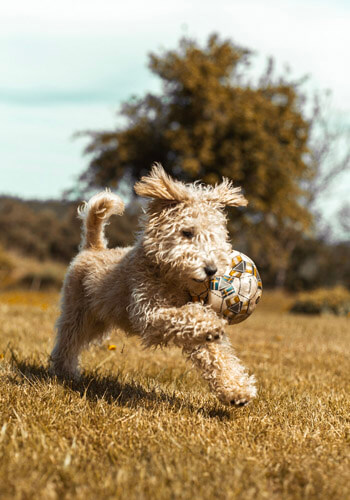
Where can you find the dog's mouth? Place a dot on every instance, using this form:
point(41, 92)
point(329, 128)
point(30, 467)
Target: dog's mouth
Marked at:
point(199, 281)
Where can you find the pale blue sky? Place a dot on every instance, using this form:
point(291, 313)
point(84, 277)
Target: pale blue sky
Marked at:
point(65, 66)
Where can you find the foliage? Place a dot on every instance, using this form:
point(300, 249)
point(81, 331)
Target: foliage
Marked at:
point(324, 301)
point(142, 424)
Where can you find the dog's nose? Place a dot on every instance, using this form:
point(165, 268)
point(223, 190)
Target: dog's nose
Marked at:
point(210, 270)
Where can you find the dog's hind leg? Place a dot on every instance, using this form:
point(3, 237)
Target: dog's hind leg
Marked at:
point(74, 333)
point(68, 344)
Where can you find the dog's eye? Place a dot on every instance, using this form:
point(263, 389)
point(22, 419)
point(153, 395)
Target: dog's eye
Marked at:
point(188, 234)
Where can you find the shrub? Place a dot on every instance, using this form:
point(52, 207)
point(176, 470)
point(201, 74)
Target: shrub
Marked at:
point(40, 281)
point(324, 301)
point(6, 266)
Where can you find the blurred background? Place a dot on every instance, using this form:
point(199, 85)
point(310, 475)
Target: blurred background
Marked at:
point(93, 92)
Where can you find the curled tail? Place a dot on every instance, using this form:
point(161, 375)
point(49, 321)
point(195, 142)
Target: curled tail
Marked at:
point(95, 214)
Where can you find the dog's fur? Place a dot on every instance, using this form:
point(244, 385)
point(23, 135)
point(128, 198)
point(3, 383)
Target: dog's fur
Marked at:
point(146, 289)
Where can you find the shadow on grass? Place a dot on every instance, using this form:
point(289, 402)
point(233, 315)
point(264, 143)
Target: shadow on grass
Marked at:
point(115, 390)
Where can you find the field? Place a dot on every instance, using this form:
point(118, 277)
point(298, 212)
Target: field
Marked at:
point(142, 424)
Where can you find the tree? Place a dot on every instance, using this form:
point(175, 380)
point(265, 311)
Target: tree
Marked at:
point(209, 121)
point(344, 218)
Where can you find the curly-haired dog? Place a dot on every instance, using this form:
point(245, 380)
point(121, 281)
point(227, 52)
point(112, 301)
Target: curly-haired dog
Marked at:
point(146, 289)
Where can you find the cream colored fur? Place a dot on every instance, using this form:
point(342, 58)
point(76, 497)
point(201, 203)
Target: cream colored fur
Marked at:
point(146, 289)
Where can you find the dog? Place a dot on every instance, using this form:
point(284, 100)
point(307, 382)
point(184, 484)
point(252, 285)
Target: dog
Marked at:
point(146, 289)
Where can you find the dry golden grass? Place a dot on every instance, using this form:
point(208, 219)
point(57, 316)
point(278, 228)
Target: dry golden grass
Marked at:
point(142, 425)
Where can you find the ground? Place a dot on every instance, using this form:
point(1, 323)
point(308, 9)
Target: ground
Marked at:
point(141, 424)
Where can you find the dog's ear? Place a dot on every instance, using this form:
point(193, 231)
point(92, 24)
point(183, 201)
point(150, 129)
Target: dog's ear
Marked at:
point(159, 185)
point(226, 194)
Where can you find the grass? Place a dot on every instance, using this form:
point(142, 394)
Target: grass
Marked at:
point(142, 424)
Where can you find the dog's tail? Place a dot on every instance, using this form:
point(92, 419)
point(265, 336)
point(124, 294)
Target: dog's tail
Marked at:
point(95, 214)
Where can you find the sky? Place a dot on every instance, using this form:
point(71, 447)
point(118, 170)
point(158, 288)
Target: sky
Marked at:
point(66, 67)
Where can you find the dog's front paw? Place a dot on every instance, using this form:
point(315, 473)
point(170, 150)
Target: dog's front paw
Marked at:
point(212, 337)
point(240, 395)
point(215, 332)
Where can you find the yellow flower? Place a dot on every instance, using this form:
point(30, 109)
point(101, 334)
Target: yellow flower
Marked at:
point(112, 347)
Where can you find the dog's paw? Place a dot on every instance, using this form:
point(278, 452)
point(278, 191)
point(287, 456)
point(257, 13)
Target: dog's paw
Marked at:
point(215, 333)
point(240, 396)
point(243, 401)
point(215, 336)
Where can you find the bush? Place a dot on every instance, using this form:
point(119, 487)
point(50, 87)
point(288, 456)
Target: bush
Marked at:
point(40, 281)
point(324, 301)
point(6, 266)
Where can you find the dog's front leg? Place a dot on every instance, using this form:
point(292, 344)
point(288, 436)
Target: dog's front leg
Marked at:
point(201, 334)
point(224, 372)
point(187, 326)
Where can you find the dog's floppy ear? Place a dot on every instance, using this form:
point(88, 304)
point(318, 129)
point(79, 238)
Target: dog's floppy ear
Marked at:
point(159, 185)
point(226, 194)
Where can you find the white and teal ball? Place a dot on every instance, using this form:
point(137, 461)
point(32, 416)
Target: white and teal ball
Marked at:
point(235, 294)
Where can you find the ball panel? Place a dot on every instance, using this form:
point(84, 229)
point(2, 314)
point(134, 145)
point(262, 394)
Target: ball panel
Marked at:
point(216, 302)
point(248, 287)
point(214, 283)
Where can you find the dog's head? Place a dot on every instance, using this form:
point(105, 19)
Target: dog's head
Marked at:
point(185, 226)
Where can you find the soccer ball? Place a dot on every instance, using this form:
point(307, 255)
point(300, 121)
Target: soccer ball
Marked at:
point(236, 293)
